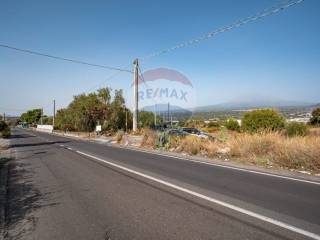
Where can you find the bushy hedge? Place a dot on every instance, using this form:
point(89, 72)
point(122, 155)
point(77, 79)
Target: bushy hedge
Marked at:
point(5, 131)
point(232, 124)
point(296, 129)
point(262, 120)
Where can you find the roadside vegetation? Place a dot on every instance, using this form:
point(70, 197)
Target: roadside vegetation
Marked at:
point(5, 131)
point(104, 107)
point(265, 139)
point(33, 116)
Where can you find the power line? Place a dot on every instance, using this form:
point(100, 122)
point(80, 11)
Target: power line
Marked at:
point(107, 79)
point(12, 109)
point(24, 109)
point(63, 59)
point(264, 13)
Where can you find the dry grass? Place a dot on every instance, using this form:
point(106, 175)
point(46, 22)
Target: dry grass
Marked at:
point(119, 136)
point(190, 144)
point(276, 149)
point(149, 138)
point(314, 131)
point(264, 149)
point(194, 146)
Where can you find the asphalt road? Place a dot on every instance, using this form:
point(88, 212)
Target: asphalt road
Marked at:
point(61, 188)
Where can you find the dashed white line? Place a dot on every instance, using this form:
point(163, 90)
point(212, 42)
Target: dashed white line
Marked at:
point(213, 200)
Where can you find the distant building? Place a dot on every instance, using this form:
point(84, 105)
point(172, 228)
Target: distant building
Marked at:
point(211, 120)
point(299, 119)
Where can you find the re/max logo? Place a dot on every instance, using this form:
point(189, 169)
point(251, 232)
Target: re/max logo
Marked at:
point(150, 93)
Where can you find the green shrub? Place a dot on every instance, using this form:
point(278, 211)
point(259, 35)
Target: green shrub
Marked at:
point(163, 140)
point(315, 119)
point(3, 125)
point(5, 129)
point(6, 133)
point(214, 124)
point(296, 129)
point(262, 120)
point(232, 124)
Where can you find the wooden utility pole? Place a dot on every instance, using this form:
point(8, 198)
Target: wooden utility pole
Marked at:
point(168, 114)
point(54, 113)
point(4, 116)
point(135, 97)
point(126, 121)
point(155, 115)
point(41, 121)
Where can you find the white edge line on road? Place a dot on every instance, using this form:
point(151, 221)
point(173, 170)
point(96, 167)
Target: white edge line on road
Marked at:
point(201, 162)
point(227, 205)
point(222, 166)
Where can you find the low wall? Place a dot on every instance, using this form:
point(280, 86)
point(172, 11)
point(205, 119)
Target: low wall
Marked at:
point(45, 128)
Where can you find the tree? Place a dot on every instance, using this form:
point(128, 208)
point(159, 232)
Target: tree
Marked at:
point(315, 119)
point(5, 131)
point(64, 120)
point(104, 95)
point(87, 110)
point(261, 120)
point(117, 115)
point(31, 117)
point(232, 124)
point(47, 120)
point(146, 119)
point(296, 129)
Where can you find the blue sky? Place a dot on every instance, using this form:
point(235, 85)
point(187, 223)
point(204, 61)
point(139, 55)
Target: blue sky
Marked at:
point(277, 57)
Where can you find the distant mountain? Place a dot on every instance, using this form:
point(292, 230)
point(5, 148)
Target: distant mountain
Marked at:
point(241, 104)
point(316, 105)
point(164, 108)
point(251, 104)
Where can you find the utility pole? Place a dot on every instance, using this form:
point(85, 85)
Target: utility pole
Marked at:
point(41, 116)
point(155, 115)
point(168, 117)
point(126, 121)
point(4, 116)
point(135, 96)
point(54, 113)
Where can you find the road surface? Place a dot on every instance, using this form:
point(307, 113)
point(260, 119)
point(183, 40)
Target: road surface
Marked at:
point(61, 188)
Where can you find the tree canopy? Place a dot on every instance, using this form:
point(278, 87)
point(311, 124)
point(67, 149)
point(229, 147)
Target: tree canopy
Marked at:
point(32, 116)
point(88, 110)
point(315, 119)
point(261, 120)
point(103, 107)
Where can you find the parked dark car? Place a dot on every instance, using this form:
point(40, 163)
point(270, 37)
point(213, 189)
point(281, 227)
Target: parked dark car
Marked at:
point(176, 132)
point(197, 133)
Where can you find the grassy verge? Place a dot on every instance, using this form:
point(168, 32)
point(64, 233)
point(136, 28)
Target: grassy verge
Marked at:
point(269, 149)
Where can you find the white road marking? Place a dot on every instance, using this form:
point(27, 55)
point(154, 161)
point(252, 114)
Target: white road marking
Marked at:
point(69, 148)
point(207, 163)
point(213, 200)
point(223, 166)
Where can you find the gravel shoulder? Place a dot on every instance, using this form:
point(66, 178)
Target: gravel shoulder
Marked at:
point(5, 157)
